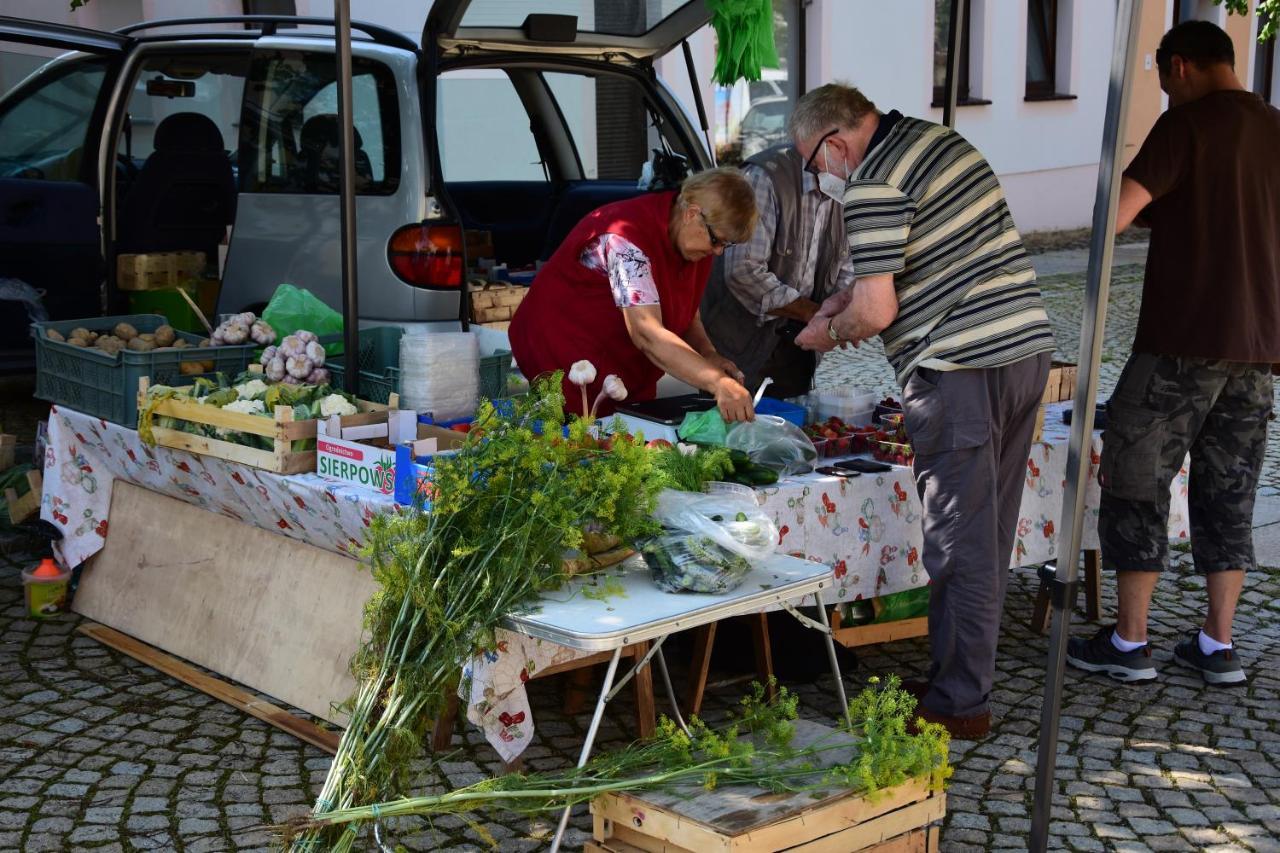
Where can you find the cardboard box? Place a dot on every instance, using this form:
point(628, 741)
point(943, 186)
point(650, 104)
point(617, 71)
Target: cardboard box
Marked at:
point(158, 269)
point(415, 470)
point(367, 456)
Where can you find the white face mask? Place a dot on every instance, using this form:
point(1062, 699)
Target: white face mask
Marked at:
point(832, 186)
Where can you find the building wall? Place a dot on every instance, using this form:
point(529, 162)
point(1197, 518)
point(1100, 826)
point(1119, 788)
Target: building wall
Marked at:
point(1045, 152)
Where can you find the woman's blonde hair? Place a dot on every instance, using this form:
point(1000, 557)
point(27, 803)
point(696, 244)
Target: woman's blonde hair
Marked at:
point(726, 199)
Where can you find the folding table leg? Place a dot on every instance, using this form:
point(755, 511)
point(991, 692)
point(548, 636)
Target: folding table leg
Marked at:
point(831, 656)
point(591, 737)
point(671, 693)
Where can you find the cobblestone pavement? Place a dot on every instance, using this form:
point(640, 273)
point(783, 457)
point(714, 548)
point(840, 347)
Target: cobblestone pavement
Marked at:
point(100, 752)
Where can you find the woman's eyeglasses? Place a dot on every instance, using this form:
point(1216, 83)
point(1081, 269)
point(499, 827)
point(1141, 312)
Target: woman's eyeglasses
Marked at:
point(716, 242)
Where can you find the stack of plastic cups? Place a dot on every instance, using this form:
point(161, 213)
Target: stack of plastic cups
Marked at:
point(440, 373)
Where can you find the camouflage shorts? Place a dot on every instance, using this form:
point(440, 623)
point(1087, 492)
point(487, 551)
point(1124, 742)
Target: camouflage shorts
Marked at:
point(1164, 407)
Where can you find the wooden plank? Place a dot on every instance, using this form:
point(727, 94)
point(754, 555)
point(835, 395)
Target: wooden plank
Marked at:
point(240, 699)
point(903, 830)
point(704, 638)
point(281, 616)
point(213, 416)
point(646, 713)
point(865, 836)
point(23, 507)
point(8, 446)
point(759, 625)
point(291, 462)
point(883, 632)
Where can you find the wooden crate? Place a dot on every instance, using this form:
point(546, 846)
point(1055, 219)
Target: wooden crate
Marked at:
point(156, 270)
point(8, 446)
point(282, 429)
point(1061, 384)
point(748, 818)
point(26, 506)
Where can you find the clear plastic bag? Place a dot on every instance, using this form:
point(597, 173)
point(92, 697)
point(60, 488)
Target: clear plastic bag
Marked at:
point(774, 443)
point(710, 542)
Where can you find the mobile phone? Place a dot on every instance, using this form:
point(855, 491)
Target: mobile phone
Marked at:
point(831, 471)
point(864, 466)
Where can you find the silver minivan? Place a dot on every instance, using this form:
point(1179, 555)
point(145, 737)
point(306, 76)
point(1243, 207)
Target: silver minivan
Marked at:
point(220, 135)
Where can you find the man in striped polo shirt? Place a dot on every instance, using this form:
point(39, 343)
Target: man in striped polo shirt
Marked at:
point(943, 278)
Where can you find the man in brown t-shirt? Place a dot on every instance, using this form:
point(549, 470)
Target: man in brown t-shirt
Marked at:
point(1207, 180)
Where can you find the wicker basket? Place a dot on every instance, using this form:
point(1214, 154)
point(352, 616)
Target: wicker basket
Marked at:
point(495, 303)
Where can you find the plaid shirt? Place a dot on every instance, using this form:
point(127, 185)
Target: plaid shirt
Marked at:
point(746, 265)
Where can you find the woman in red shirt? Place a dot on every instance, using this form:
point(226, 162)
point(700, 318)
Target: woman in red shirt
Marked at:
point(623, 291)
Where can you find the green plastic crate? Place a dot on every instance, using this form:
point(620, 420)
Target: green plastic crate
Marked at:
point(105, 385)
point(379, 359)
point(380, 366)
point(493, 374)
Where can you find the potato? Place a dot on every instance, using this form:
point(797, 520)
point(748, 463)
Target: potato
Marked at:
point(82, 332)
point(180, 343)
point(78, 342)
point(109, 343)
point(204, 342)
point(53, 335)
point(125, 331)
point(165, 335)
point(191, 368)
point(138, 344)
point(148, 337)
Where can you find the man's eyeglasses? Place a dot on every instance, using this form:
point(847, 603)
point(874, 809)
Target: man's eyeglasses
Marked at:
point(830, 133)
point(716, 242)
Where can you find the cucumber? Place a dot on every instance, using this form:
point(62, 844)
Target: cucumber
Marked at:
point(762, 476)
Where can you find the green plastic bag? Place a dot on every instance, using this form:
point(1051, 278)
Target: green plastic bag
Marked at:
point(703, 428)
point(293, 308)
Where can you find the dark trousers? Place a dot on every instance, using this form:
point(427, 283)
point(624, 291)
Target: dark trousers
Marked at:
point(971, 430)
point(791, 369)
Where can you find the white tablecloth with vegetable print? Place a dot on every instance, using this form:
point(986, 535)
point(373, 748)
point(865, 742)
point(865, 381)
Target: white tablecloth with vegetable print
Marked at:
point(868, 528)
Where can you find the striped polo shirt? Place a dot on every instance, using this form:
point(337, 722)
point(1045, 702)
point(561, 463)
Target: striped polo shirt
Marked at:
point(926, 207)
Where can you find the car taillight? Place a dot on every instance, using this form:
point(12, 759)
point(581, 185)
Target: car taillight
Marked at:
point(427, 255)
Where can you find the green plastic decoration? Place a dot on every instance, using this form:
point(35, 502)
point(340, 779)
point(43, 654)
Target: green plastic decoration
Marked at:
point(744, 39)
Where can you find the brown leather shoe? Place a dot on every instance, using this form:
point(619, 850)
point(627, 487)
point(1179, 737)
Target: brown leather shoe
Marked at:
point(961, 728)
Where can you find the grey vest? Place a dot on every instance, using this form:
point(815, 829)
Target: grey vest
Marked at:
point(734, 328)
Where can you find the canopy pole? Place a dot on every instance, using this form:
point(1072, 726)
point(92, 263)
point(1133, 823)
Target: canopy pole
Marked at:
point(347, 199)
point(955, 28)
point(1062, 582)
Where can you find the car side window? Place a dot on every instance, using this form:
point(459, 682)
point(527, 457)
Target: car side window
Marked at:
point(289, 130)
point(484, 129)
point(43, 129)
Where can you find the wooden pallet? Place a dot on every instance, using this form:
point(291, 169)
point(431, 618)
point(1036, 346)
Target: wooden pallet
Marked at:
point(281, 429)
point(750, 819)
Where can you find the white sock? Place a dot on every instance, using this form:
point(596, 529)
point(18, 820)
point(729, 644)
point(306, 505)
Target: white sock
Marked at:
point(1208, 645)
point(1124, 645)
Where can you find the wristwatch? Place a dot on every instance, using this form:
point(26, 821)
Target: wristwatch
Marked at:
point(831, 331)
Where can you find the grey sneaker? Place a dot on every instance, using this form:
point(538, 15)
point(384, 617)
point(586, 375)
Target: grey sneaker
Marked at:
point(1099, 654)
point(1221, 667)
